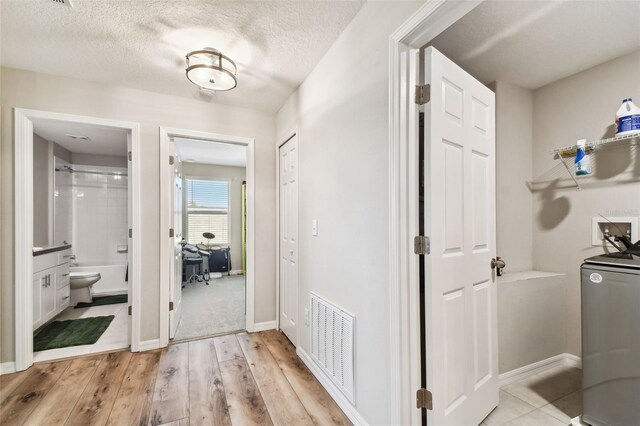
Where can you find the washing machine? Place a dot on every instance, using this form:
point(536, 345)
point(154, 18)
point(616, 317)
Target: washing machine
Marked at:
point(610, 285)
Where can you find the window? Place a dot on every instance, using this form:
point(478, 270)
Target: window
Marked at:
point(207, 210)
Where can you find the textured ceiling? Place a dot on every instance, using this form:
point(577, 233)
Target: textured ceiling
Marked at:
point(102, 140)
point(534, 43)
point(208, 152)
point(142, 44)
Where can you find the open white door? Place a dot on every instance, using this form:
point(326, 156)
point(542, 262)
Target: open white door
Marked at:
point(460, 288)
point(288, 238)
point(175, 270)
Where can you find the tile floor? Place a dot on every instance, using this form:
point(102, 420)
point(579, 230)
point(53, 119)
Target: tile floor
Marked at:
point(551, 398)
point(114, 337)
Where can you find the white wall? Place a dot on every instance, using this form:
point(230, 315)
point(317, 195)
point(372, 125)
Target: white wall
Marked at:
point(341, 112)
point(581, 106)
point(235, 175)
point(58, 94)
point(41, 176)
point(99, 160)
point(514, 201)
point(63, 204)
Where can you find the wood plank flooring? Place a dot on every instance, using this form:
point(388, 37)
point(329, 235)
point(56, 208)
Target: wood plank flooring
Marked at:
point(240, 379)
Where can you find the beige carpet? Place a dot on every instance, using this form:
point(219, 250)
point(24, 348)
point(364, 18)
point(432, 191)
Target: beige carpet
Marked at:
point(212, 309)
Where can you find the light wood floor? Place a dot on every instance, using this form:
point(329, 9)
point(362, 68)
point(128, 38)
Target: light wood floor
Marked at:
point(240, 379)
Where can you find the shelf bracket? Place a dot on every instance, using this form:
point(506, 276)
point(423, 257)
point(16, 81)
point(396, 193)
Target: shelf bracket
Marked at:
point(566, 166)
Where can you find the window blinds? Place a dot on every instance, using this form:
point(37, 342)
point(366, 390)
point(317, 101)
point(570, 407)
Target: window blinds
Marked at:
point(207, 210)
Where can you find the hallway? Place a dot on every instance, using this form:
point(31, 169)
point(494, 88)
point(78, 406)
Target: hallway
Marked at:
point(238, 379)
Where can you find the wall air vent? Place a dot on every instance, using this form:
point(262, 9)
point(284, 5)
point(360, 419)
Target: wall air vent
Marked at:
point(332, 344)
point(64, 2)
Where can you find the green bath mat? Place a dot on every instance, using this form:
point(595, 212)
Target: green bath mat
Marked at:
point(61, 334)
point(104, 300)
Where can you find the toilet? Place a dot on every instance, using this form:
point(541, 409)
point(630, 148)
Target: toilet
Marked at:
point(81, 283)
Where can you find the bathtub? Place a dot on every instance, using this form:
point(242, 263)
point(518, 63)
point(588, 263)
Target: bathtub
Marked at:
point(111, 277)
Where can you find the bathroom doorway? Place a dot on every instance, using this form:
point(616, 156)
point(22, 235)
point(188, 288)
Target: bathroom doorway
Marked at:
point(207, 207)
point(76, 219)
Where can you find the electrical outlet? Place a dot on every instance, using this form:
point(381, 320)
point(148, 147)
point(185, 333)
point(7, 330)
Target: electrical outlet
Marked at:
point(306, 316)
point(314, 227)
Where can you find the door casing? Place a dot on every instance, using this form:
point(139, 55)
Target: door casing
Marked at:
point(431, 19)
point(23, 226)
point(166, 215)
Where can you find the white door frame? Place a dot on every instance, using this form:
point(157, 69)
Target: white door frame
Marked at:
point(404, 44)
point(23, 225)
point(281, 141)
point(166, 133)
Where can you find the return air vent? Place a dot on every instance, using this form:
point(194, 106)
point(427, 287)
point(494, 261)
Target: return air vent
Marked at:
point(332, 343)
point(64, 2)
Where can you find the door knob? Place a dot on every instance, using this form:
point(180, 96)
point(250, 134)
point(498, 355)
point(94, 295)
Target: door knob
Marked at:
point(498, 264)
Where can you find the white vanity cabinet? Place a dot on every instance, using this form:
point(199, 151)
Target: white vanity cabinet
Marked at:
point(51, 290)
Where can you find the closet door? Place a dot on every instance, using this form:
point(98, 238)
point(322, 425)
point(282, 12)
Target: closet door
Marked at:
point(288, 238)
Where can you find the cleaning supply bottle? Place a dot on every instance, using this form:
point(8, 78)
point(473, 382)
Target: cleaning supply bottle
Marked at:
point(628, 118)
point(582, 161)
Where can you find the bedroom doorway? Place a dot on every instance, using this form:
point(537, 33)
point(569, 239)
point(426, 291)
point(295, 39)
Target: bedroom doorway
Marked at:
point(207, 207)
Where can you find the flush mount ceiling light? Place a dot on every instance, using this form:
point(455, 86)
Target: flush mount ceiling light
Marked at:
point(211, 70)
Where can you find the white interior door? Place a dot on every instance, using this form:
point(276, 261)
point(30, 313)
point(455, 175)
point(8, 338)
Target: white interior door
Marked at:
point(175, 262)
point(288, 238)
point(461, 315)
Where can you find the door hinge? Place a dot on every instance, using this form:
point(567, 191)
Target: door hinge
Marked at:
point(423, 94)
point(130, 233)
point(171, 232)
point(171, 160)
point(129, 310)
point(421, 245)
point(171, 306)
point(424, 399)
point(130, 155)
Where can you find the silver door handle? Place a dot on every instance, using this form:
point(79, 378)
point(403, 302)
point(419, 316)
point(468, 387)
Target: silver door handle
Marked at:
point(498, 264)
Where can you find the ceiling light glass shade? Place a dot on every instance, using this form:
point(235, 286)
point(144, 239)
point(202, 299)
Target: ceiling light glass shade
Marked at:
point(211, 70)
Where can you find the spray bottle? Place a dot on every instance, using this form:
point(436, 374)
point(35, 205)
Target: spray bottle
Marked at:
point(582, 161)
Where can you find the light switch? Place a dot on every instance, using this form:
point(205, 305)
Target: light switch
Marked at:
point(314, 227)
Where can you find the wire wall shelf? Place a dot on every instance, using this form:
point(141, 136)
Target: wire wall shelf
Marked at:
point(563, 174)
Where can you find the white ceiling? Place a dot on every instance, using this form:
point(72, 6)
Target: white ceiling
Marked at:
point(208, 152)
point(102, 140)
point(534, 43)
point(142, 44)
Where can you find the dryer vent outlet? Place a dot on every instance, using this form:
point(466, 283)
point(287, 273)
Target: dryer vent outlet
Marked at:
point(63, 2)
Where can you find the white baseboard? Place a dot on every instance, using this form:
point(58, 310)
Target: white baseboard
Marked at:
point(577, 421)
point(263, 326)
point(349, 409)
point(236, 272)
point(539, 367)
point(7, 367)
point(148, 345)
point(573, 360)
